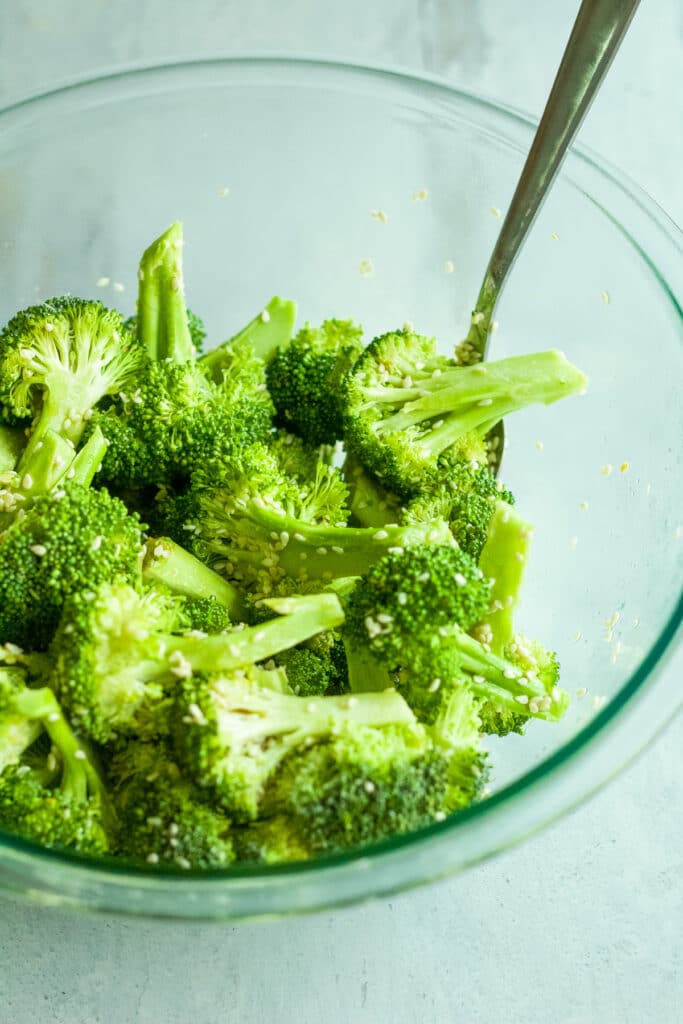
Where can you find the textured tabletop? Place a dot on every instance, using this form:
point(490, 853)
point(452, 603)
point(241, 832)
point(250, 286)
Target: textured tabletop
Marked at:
point(580, 924)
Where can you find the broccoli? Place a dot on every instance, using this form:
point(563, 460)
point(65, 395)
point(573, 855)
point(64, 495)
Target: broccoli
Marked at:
point(503, 559)
point(456, 734)
point(12, 441)
point(57, 361)
point(262, 336)
point(258, 527)
point(416, 622)
point(162, 323)
point(405, 404)
point(232, 733)
point(118, 654)
point(163, 817)
point(49, 792)
point(168, 564)
point(304, 379)
point(67, 543)
point(362, 786)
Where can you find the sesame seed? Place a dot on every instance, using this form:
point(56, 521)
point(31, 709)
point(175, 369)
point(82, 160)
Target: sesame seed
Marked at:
point(337, 550)
point(396, 551)
point(223, 192)
point(173, 829)
point(573, 541)
point(49, 327)
point(440, 816)
point(583, 505)
point(54, 716)
point(554, 236)
point(533, 707)
point(366, 267)
point(477, 318)
point(300, 537)
point(351, 703)
point(522, 698)
point(118, 287)
point(612, 621)
point(460, 579)
point(27, 482)
point(449, 266)
point(80, 755)
point(97, 543)
point(379, 215)
point(402, 598)
point(434, 685)
point(556, 693)
point(624, 467)
point(311, 708)
point(368, 786)
point(605, 297)
point(599, 702)
point(154, 821)
point(581, 692)
point(495, 212)
point(152, 858)
point(538, 445)
point(380, 535)
point(478, 679)
point(420, 195)
point(265, 316)
point(648, 488)
point(102, 282)
point(408, 326)
point(39, 550)
point(511, 673)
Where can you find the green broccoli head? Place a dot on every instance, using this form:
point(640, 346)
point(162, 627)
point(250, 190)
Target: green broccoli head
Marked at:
point(66, 543)
point(304, 379)
point(405, 405)
point(164, 818)
point(206, 615)
point(58, 359)
point(362, 786)
point(50, 791)
point(232, 733)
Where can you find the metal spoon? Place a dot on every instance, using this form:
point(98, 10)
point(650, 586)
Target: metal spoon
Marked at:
point(597, 34)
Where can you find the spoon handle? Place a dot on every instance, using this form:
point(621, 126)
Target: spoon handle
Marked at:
point(597, 34)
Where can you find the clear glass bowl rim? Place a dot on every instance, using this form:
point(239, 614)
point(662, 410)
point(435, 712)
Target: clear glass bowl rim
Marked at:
point(347, 877)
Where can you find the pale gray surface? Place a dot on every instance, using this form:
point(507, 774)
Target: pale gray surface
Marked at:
point(578, 925)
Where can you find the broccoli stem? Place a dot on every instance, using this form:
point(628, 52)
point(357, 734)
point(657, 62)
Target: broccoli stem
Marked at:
point(163, 327)
point(269, 329)
point(475, 398)
point(49, 463)
point(302, 618)
point(325, 552)
point(371, 505)
point(12, 441)
point(168, 563)
point(365, 673)
point(88, 460)
point(503, 560)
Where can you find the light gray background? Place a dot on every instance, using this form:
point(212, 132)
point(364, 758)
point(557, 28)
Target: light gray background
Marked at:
point(580, 924)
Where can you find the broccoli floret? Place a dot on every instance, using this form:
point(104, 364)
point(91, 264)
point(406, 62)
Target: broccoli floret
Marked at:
point(456, 733)
point(232, 733)
point(65, 544)
point(50, 793)
point(57, 361)
point(308, 674)
point(298, 459)
point(259, 528)
point(304, 379)
point(163, 817)
point(405, 404)
point(262, 336)
point(206, 615)
point(503, 559)
point(118, 655)
point(409, 620)
point(360, 787)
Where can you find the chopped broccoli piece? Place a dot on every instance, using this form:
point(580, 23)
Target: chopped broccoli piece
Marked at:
point(405, 404)
point(119, 654)
point(164, 818)
point(53, 795)
point(58, 360)
point(304, 379)
point(162, 322)
point(503, 559)
point(65, 544)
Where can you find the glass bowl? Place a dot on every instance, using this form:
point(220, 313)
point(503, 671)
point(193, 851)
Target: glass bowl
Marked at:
point(374, 195)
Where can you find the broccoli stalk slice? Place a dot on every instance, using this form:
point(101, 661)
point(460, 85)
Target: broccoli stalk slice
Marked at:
point(162, 320)
point(12, 441)
point(269, 329)
point(171, 565)
point(365, 673)
point(503, 560)
point(88, 461)
point(371, 504)
point(304, 550)
point(475, 398)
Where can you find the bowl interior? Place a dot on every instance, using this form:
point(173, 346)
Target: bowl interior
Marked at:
point(275, 170)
